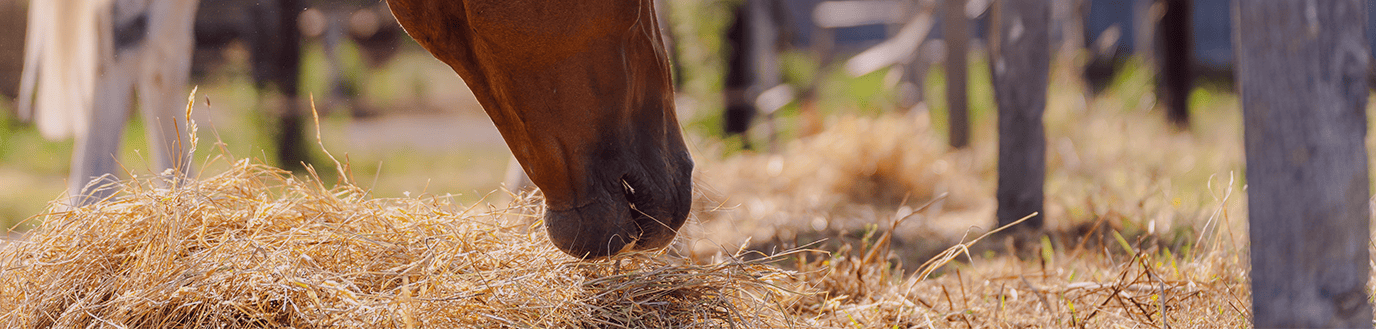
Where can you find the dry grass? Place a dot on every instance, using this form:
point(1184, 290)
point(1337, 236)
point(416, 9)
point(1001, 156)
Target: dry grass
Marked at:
point(254, 247)
point(839, 184)
point(1143, 220)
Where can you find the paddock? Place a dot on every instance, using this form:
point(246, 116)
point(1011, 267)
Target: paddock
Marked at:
point(838, 226)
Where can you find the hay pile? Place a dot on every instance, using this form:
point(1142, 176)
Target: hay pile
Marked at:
point(254, 247)
point(1085, 290)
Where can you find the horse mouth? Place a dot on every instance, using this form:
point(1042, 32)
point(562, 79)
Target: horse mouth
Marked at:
point(606, 226)
point(641, 217)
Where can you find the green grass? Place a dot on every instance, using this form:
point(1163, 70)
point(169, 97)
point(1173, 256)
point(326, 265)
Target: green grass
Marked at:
point(700, 48)
point(979, 94)
point(241, 117)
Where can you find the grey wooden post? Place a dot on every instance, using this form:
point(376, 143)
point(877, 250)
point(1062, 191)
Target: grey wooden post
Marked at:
point(955, 31)
point(1301, 71)
point(1021, 58)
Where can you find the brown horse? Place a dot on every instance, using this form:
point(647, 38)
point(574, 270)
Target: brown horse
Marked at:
point(581, 93)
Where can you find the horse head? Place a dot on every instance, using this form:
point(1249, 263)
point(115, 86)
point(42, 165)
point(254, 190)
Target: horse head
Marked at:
point(580, 91)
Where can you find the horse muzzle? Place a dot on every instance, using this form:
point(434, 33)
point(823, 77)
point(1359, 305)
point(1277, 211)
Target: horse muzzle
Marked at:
point(633, 212)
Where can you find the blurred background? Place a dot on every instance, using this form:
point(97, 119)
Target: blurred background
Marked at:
point(810, 119)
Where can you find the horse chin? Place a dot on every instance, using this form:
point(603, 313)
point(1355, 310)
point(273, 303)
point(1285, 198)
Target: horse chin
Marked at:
point(640, 218)
point(599, 229)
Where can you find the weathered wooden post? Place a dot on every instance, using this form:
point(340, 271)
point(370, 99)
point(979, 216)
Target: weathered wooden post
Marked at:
point(278, 62)
point(1020, 64)
point(955, 31)
point(1301, 71)
point(1173, 61)
point(752, 65)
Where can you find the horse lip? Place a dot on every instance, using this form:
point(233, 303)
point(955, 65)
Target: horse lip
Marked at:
point(581, 205)
point(596, 227)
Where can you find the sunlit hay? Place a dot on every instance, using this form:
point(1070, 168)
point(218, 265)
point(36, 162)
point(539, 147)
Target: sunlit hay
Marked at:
point(1138, 286)
point(1131, 292)
point(1145, 222)
point(1115, 156)
point(254, 247)
point(857, 173)
point(1113, 164)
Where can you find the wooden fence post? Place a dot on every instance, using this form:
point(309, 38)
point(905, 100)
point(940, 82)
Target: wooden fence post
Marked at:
point(955, 32)
point(1174, 78)
point(1302, 76)
point(1020, 64)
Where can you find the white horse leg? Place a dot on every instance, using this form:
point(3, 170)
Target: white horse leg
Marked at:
point(163, 106)
point(516, 179)
point(94, 156)
point(162, 84)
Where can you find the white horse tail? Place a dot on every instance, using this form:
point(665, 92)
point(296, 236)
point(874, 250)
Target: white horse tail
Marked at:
point(39, 12)
point(61, 58)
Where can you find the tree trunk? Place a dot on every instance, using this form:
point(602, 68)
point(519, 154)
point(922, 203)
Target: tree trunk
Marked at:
point(1302, 69)
point(1021, 59)
point(955, 32)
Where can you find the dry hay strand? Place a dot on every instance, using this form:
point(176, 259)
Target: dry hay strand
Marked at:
point(1147, 289)
point(1141, 286)
point(255, 247)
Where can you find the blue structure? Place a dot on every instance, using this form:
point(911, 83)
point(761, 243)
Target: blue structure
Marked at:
point(1213, 30)
point(1211, 22)
point(1213, 46)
